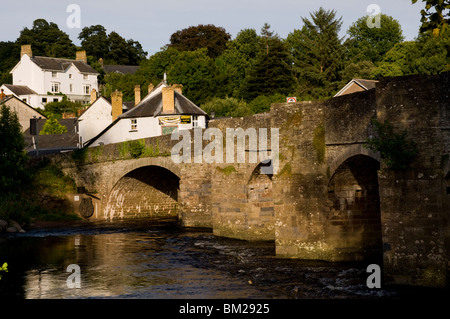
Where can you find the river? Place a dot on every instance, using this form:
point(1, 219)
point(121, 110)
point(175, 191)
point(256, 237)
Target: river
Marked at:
point(150, 258)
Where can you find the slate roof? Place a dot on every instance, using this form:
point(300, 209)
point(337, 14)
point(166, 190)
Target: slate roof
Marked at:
point(20, 89)
point(54, 143)
point(153, 107)
point(122, 69)
point(367, 84)
point(58, 64)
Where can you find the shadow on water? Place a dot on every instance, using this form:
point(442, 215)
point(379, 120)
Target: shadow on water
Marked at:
point(154, 258)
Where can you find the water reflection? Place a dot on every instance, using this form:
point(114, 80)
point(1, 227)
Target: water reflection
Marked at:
point(155, 259)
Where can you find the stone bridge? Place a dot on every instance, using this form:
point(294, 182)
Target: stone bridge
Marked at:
point(331, 197)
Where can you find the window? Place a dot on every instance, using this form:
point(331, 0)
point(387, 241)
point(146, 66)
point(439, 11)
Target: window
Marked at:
point(85, 76)
point(71, 87)
point(54, 74)
point(134, 124)
point(55, 100)
point(55, 87)
point(70, 76)
point(44, 100)
point(194, 121)
point(25, 100)
point(86, 89)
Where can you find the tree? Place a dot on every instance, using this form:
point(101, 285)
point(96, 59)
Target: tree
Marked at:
point(371, 44)
point(13, 173)
point(213, 38)
point(438, 20)
point(236, 61)
point(271, 71)
point(317, 54)
point(429, 54)
point(228, 106)
point(94, 40)
point(47, 39)
point(112, 48)
point(52, 126)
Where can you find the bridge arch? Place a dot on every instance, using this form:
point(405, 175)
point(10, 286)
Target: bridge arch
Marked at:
point(354, 214)
point(350, 151)
point(143, 191)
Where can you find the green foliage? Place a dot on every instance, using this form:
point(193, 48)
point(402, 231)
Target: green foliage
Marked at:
point(51, 180)
point(438, 20)
point(52, 126)
point(112, 48)
point(395, 150)
point(317, 54)
point(227, 170)
point(13, 159)
point(262, 103)
point(370, 44)
point(136, 148)
point(3, 268)
point(80, 155)
point(213, 38)
point(228, 106)
point(56, 109)
point(47, 39)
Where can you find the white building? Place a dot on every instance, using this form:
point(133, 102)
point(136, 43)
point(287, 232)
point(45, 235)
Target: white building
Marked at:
point(161, 112)
point(46, 79)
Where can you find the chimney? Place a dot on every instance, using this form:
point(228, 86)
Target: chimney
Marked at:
point(137, 94)
point(2, 95)
point(150, 87)
point(116, 104)
point(178, 88)
point(26, 49)
point(93, 95)
point(81, 56)
point(168, 100)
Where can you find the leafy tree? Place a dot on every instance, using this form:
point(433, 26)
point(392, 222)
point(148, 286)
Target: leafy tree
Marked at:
point(427, 55)
point(237, 60)
point(213, 38)
point(317, 53)
point(94, 40)
point(196, 71)
point(262, 103)
point(112, 48)
point(271, 71)
point(13, 172)
point(56, 109)
point(228, 106)
point(370, 44)
point(47, 39)
point(52, 126)
point(438, 20)
point(357, 70)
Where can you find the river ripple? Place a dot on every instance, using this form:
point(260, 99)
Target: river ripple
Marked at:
point(156, 259)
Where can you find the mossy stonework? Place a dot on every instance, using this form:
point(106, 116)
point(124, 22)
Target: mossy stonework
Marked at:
point(332, 198)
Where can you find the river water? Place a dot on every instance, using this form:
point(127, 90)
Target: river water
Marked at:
point(156, 259)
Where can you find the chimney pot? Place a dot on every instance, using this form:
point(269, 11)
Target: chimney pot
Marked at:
point(178, 88)
point(116, 104)
point(137, 94)
point(168, 100)
point(150, 87)
point(26, 49)
point(81, 56)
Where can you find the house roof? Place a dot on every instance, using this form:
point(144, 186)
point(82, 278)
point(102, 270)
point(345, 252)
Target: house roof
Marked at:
point(57, 142)
point(363, 83)
point(58, 64)
point(9, 97)
point(153, 107)
point(19, 89)
point(122, 69)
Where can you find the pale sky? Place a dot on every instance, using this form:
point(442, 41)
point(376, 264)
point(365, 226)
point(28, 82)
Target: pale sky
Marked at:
point(152, 22)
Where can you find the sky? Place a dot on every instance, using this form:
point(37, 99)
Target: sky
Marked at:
point(151, 22)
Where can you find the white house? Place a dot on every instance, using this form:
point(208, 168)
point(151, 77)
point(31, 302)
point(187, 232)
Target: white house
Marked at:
point(162, 111)
point(48, 78)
